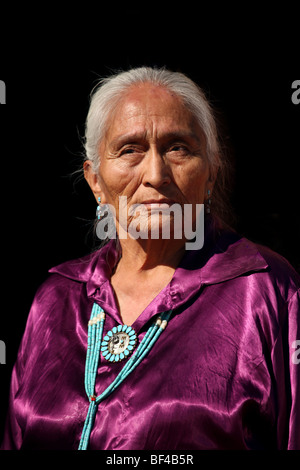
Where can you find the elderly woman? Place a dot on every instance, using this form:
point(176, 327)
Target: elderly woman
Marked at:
point(151, 342)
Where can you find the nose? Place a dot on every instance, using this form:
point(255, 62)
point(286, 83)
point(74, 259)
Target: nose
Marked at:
point(157, 172)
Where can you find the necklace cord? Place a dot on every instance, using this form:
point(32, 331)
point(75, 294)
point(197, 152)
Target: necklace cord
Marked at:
point(95, 333)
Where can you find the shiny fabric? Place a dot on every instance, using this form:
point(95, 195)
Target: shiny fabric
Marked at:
point(223, 375)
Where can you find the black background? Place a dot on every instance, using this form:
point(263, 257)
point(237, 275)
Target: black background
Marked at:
point(245, 60)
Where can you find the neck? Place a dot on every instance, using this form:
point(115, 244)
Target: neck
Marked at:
point(142, 272)
point(147, 255)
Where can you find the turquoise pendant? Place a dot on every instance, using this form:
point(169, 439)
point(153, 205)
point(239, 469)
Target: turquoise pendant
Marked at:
point(118, 343)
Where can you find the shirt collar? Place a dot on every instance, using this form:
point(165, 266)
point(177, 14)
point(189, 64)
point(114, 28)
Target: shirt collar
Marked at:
point(224, 256)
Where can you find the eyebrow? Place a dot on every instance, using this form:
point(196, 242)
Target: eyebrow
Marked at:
point(133, 137)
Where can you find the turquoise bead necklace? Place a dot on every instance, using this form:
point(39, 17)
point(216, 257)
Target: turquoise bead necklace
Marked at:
point(97, 344)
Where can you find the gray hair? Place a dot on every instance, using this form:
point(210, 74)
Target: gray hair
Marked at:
point(110, 90)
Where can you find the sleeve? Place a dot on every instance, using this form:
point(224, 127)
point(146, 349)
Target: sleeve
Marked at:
point(41, 347)
point(14, 426)
point(12, 439)
point(286, 368)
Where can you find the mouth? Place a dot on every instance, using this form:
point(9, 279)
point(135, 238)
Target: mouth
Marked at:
point(158, 202)
point(153, 206)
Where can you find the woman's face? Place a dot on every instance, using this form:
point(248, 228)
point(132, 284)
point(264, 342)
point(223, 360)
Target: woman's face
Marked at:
point(153, 153)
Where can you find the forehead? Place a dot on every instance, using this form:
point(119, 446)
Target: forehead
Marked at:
point(149, 107)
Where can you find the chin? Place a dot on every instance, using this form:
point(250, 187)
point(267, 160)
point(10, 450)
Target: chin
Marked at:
point(158, 226)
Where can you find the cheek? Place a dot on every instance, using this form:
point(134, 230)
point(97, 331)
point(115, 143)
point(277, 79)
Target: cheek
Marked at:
point(116, 181)
point(192, 181)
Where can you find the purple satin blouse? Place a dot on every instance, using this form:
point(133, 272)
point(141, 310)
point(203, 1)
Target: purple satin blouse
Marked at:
point(223, 375)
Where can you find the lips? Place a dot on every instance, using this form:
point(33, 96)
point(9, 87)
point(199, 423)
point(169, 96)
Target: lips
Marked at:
point(164, 201)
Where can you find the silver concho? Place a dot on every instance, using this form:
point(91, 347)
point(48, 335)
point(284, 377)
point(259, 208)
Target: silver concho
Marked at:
point(118, 343)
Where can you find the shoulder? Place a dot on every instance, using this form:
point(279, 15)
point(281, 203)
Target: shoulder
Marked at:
point(274, 292)
point(65, 284)
point(262, 273)
point(73, 281)
point(280, 272)
point(247, 253)
point(69, 275)
point(227, 255)
point(78, 270)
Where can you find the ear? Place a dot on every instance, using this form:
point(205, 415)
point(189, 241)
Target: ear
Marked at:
point(213, 173)
point(92, 179)
point(210, 185)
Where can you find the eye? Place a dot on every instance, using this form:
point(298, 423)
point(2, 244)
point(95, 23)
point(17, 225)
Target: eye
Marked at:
point(180, 149)
point(130, 150)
